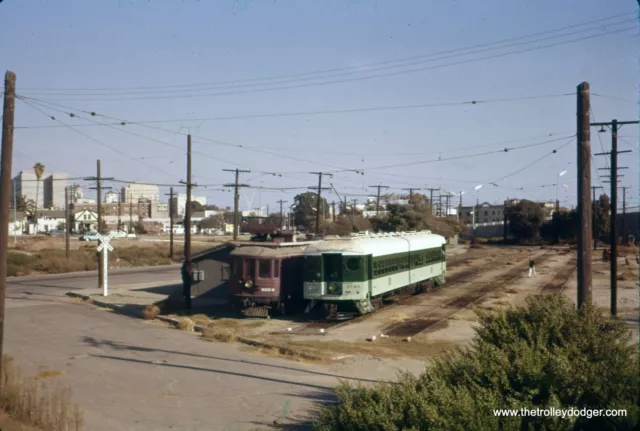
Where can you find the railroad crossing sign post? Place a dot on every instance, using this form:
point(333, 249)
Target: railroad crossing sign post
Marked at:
point(105, 244)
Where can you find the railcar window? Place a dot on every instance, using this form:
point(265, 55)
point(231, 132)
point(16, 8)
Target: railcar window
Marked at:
point(250, 264)
point(276, 269)
point(352, 264)
point(265, 269)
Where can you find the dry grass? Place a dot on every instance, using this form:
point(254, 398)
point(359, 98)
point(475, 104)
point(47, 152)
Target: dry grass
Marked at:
point(384, 347)
point(628, 274)
point(31, 401)
point(47, 255)
point(229, 330)
point(219, 334)
point(150, 312)
point(186, 324)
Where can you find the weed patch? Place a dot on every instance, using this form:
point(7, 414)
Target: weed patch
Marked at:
point(29, 400)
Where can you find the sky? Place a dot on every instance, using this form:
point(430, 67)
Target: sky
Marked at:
point(209, 68)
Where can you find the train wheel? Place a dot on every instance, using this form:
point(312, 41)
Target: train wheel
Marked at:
point(376, 302)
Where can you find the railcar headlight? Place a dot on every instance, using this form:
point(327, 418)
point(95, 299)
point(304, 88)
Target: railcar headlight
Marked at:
point(248, 284)
point(332, 288)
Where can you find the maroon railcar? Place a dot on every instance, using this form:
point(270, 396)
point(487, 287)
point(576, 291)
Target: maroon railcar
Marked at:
point(267, 278)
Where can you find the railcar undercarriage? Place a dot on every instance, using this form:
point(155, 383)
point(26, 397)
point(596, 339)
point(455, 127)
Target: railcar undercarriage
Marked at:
point(345, 310)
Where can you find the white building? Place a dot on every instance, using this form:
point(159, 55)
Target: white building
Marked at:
point(135, 191)
point(54, 186)
point(26, 184)
point(112, 197)
point(179, 202)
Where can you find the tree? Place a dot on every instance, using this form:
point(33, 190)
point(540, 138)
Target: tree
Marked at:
point(305, 209)
point(414, 217)
point(525, 220)
point(38, 169)
point(213, 222)
point(196, 206)
point(565, 224)
point(601, 216)
point(546, 354)
point(62, 225)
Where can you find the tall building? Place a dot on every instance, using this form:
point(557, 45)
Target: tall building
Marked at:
point(112, 197)
point(26, 184)
point(54, 186)
point(179, 203)
point(135, 191)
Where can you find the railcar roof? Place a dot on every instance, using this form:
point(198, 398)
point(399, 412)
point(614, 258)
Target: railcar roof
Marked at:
point(378, 245)
point(268, 252)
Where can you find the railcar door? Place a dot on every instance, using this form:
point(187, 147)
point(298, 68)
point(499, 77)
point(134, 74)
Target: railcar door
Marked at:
point(332, 263)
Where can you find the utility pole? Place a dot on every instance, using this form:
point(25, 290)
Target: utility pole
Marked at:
point(624, 213)
point(460, 208)
point(614, 125)
point(15, 212)
point(236, 199)
point(431, 199)
point(411, 189)
point(446, 213)
point(584, 198)
point(99, 179)
point(333, 209)
point(281, 216)
point(119, 210)
point(66, 223)
point(593, 214)
point(319, 190)
point(5, 188)
point(378, 197)
point(504, 222)
point(353, 207)
point(170, 194)
point(187, 230)
point(130, 213)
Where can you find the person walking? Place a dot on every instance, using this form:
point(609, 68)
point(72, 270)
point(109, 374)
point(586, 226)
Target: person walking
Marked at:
point(532, 267)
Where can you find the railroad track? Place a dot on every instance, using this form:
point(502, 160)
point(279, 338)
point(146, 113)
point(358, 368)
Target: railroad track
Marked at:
point(559, 282)
point(439, 316)
point(313, 328)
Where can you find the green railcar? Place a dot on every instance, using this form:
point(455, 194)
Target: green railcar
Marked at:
point(350, 276)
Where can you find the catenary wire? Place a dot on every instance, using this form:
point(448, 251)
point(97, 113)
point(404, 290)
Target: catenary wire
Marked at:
point(184, 87)
point(380, 75)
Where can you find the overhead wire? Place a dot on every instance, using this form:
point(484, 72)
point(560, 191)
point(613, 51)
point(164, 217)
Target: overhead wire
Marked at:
point(379, 68)
point(517, 171)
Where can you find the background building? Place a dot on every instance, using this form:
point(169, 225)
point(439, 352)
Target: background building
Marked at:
point(54, 186)
point(112, 197)
point(135, 191)
point(26, 185)
point(179, 202)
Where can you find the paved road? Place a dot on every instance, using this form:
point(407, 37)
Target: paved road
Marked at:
point(59, 284)
point(132, 375)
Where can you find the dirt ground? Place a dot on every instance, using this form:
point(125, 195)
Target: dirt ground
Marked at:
point(8, 424)
point(423, 326)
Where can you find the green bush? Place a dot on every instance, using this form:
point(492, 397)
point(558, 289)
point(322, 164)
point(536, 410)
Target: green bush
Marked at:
point(544, 355)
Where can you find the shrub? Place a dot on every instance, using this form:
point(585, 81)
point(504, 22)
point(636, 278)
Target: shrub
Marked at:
point(150, 312)
point(543, 355)
point(26, 399)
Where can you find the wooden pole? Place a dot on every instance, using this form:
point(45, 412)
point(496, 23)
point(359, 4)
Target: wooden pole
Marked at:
point(613, 230)
point(5, 191)
point(584, 197)
point(187, 231)
point(66, 224)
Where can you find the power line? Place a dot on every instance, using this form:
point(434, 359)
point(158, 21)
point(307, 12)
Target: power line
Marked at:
point(201, 95)
point(307, 113)
point(91, 137)
point(535, 161)
point(185, 87)
point(440, 159)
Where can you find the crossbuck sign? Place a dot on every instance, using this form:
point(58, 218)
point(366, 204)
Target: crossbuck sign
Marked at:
point(104, 245)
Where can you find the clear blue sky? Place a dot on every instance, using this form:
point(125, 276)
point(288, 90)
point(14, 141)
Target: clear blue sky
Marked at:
point(88, 45)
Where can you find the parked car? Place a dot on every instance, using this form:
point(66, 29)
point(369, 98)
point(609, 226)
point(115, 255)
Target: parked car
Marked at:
point(90, 236)
point(123, 234)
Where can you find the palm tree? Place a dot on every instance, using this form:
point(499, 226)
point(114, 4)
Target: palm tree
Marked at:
point(38, 169)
